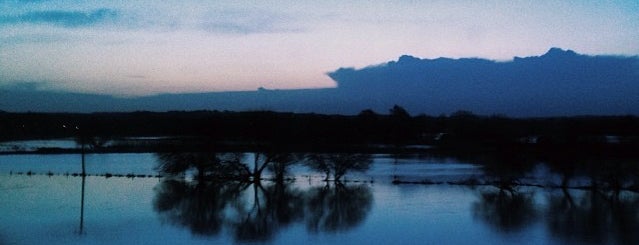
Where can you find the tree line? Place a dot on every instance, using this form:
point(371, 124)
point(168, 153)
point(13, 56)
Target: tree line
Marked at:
point(396, 127)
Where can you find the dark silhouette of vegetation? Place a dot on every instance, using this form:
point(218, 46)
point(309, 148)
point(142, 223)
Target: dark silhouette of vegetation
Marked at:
point(281, 164)
point(277, 162)
point(605, 173)
point(221, 166)
point(506, 211)
point(213, 165)
point(222, 186)
point(505, 169)
point(206, 164)
point(512, 167)
point(253, 212)
point(592, 196)
point(592, 218)
point(399, 113)
point(595, 200)
point(199, 206)
point(270, 209)
point(249, 131)
point(338, 207)
point(338, 164)
point(229, 153)
point(89, 142)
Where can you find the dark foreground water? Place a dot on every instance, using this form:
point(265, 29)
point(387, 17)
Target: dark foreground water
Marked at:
point(365, 209)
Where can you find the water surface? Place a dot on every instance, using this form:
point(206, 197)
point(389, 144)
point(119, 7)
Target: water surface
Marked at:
point(366, 208)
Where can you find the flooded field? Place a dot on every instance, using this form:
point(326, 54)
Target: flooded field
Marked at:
point(407, 200)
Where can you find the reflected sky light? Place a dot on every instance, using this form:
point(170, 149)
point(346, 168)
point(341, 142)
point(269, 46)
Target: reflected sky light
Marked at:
point(140, 48)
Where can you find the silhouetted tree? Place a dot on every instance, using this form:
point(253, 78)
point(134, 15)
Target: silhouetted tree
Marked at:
point(398, 112)
point(505, 169)
point(278, 162)
point(614, 174)
point(566, 165)
point(463, 114)
point(338, 164)
point(207, 164)
point(281, 164)
point(367, 114)
point(92, 142)
point(401, 129)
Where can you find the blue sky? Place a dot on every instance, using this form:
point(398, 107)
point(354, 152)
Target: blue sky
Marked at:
point(147, 47)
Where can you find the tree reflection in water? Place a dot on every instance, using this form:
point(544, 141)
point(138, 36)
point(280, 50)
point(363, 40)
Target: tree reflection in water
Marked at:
point(504, 210)
point(199, 206)
point(267, 210)
point(254, 212)
point(594, 217)
point(508, 208)
point(604, 211)
point(338, 207)
point(219, 198)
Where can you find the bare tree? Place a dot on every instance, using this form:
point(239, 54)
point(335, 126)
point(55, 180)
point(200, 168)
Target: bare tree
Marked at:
point(338, 164)
point(207, 164)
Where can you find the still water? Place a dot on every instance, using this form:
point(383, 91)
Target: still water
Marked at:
point(365, 209)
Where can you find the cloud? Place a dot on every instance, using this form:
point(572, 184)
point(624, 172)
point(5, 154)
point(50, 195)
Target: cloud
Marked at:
point(28, 86)
point(560, 82)
point(24, 86)
point(248, 22)
point(69, 19)
point(34, 38)
point(136, 76)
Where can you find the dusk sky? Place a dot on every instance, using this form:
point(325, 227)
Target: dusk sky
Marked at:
point(148, 47)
